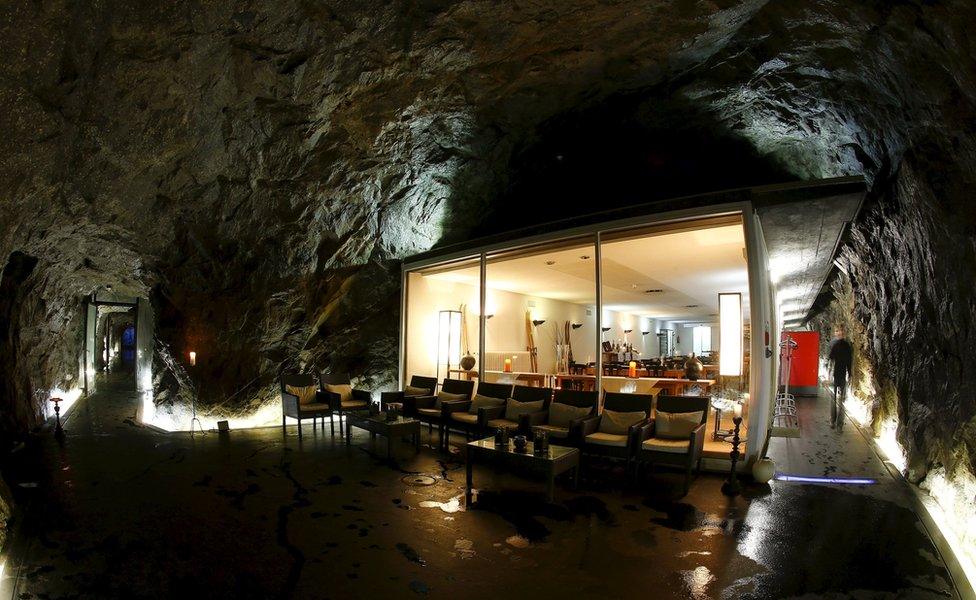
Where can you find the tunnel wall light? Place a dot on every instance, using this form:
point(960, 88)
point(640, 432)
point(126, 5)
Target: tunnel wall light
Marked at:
point(730, 325)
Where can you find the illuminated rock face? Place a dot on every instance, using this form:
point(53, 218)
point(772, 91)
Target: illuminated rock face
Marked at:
point(257, 173)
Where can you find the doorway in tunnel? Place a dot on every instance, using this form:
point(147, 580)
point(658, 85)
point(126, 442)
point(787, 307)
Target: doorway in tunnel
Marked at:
point(118, 341)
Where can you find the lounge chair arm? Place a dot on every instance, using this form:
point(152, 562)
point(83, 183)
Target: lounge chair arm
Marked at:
point(634, 433)
point(487, 413)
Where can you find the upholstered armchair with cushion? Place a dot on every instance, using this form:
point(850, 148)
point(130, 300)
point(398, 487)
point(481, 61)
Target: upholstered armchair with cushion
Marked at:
point(430, 410)
point(616, 432)
point(419, 386)
point(563, 417)
point(525, 400)
point(339, 393)
point(676, 434)
point(302, 398)
point(462, 415)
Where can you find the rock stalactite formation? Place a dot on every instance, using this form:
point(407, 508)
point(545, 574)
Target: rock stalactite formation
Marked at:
point(256, 170)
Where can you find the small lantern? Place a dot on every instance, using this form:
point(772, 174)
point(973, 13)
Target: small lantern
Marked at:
point(508, 365)
point(632, 369)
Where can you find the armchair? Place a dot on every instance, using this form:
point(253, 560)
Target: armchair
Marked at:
point(430, 409)
point(462, 415)
point(676, 434)
point(615, 432)
point(292, 406)
point(563, 417)
point(339, 393)
point(420, 385)
point(498, 416)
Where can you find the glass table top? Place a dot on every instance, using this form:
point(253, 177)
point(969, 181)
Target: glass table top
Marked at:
point(554, 453)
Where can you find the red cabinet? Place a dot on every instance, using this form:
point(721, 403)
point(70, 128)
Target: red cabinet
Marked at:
point(805, 367)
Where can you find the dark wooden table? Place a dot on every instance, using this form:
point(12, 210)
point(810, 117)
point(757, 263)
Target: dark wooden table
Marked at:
point(377, 424)
point(558, 459)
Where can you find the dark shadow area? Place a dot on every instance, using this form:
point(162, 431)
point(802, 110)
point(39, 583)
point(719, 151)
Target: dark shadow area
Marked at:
point(630, 149)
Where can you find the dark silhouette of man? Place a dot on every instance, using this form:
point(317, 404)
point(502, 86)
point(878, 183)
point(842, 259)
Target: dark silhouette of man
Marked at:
point(840, 357)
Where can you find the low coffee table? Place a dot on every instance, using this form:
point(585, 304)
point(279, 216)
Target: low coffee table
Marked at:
point(374, 424)
point(558, 459)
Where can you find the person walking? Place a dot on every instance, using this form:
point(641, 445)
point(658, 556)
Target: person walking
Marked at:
point(840, 359)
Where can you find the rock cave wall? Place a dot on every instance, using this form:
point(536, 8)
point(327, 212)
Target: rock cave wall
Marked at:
point(256, 171)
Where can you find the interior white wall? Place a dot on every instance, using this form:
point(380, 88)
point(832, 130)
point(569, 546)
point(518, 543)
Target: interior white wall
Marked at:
point(505, 331)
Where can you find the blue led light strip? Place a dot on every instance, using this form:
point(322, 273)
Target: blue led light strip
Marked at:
point(814, 479)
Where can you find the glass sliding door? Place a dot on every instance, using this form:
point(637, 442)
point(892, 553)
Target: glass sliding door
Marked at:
point(541, 315)
point(442, 334)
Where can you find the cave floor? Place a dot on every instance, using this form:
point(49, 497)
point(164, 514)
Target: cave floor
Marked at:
point(120, 511)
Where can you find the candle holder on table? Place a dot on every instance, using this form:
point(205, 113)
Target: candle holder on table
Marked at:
point(732, 487)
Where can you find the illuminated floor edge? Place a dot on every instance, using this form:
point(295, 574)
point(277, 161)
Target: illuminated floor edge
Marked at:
point(887, 448)
point(830, 480)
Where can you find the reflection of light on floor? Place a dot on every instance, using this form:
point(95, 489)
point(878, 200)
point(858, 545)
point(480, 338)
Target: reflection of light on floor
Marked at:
point(815, 479)
point(698, 581)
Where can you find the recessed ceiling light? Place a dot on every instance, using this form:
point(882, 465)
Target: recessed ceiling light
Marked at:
point(653, 291)
point(585, 257)
point(692, 305)
point(550, 262)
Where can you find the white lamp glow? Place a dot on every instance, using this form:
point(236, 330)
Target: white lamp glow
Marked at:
point(730, 325)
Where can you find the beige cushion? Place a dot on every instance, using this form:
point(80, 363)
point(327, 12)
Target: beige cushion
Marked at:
point(313, 407)
point(430, 412)
point(560, 415)
point(448, 397)
point(465, 418)
point(556, 432)
point(306, 394)
point(416, 391)
point(514, 408)
point(607, 439)
point(665, 445)
point(354, 404)
point(618, 423)
point(343, 389)
point(483, 402)
point(676, 426)
point(496, 423)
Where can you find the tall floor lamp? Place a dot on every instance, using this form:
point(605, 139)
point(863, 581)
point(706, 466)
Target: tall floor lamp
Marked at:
point(448, 340)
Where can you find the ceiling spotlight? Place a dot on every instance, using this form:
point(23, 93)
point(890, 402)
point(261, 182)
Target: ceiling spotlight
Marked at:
point(628, 330)
point(604, 329)
point(577, 325)
point(585, 257)
point(692, 305)
point(550, 262)
point(653, 291)
point(538, 322)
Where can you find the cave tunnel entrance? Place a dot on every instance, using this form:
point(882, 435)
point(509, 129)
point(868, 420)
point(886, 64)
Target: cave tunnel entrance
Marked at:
point(118, 341)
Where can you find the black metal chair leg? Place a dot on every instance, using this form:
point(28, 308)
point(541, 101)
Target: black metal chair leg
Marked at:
point(299, 428)
point(332, 424)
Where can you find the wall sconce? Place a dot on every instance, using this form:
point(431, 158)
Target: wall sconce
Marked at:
point(577, 325)
point(489, 316)
point(645, 332)
point(628, 330)
point(605, 329)
point(538, 322)
point(730, 326)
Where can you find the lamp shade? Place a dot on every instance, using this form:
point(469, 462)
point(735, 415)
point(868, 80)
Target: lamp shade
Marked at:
point(730, 325)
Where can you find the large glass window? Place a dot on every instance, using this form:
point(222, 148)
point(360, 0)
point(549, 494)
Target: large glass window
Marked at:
point(540, 326)
point(667, 279)
point(442, 330)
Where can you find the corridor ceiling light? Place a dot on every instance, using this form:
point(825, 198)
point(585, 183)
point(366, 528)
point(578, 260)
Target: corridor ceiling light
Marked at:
point(193, 359)
point(815, 479)
point(730, 327)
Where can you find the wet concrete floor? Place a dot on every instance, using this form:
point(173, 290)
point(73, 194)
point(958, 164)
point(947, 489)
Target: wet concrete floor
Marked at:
point(123, 512)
